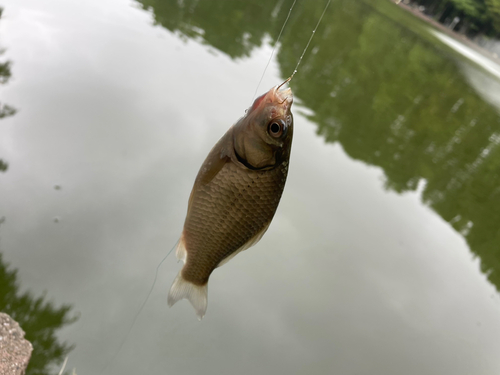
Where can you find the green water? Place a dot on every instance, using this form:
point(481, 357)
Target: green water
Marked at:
point(384, 256)
point(386, 94)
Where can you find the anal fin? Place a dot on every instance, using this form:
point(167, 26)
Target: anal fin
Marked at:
point(180, 251)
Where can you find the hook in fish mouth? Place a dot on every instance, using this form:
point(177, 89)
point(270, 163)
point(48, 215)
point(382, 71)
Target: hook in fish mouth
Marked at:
point(287, 92)
point(287, 80)
point(283, 98)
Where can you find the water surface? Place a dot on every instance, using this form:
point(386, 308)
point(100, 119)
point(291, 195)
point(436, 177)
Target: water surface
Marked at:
point(383, 257)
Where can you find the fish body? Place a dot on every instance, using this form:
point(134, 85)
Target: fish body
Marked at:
point(235, 194)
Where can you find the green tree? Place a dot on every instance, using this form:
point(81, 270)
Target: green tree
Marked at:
point(493, 7)
point(472, 8)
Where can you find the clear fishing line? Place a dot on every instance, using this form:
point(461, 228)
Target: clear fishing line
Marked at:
point(274, 49)
point(309, 42)
point(303, 52)
point(140, 309)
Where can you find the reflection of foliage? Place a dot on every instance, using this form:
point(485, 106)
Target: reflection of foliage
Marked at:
point(4, 72)
point(38, 318)
point(234, 27)
point(5, 109)
point(383, 92)
point(391, 100)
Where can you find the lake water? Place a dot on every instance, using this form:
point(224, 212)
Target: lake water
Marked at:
point(383, 257)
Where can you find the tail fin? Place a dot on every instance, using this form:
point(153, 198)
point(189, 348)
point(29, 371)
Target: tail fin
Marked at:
point(196, 294)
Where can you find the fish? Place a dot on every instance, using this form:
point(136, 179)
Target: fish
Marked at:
point(235, 194)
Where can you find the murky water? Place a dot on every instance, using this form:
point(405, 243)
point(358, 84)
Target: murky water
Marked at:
point(384, 255)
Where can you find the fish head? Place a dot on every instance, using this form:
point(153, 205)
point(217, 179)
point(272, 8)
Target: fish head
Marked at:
point(263, 137)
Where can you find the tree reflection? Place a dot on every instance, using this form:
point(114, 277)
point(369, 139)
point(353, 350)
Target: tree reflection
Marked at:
point(38, 318)
point(393, 100)
point(234, 27)
point(390, 97)
point(5, 109)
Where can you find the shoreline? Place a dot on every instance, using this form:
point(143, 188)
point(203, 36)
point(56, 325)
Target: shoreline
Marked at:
point(457, 36)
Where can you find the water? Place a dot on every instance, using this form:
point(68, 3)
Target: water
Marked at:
point(383, 257)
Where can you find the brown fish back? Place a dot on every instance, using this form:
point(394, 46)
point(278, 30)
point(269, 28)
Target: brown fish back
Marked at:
point(226, 213)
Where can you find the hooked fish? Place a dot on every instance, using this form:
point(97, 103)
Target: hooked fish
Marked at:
point(235, 194)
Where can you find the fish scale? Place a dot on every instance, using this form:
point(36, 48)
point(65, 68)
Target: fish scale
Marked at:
point(224, 217)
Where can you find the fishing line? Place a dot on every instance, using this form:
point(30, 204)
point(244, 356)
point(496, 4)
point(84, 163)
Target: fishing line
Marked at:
point(309, 42)
point(272, 53)
point(140, 309)
point(303, 52)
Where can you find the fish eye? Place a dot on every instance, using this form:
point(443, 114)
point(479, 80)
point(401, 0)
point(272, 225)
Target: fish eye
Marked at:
point(276, 128)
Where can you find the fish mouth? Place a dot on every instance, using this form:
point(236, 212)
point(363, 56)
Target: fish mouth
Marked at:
point(280, 99)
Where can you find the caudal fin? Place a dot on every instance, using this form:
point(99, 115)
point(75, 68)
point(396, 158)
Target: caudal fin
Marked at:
point(196, 294)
